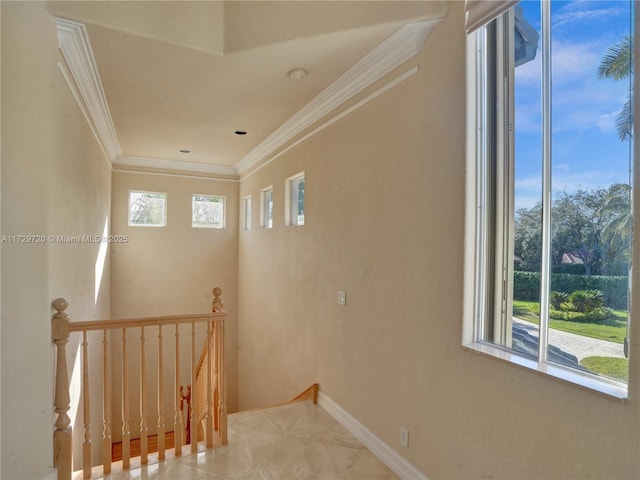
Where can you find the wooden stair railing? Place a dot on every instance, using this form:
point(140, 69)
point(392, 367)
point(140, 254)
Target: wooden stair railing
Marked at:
point(211, 361)
point(310, 393)
point(207, 375)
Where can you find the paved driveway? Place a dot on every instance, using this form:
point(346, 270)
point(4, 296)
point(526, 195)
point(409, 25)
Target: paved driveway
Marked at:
point(577, 345)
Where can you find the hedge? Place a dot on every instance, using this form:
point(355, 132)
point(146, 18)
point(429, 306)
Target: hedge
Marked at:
point(526, 286)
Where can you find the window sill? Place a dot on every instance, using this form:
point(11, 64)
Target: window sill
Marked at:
point(586, 380)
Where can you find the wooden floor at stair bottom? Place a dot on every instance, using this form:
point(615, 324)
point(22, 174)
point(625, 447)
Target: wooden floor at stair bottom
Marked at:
point(116, 448)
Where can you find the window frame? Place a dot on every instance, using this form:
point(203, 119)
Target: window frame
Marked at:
point(224, 210)
point(291, 216)
point(484, 287)
point(263, 206)
point(247, 208)
point(152, 225)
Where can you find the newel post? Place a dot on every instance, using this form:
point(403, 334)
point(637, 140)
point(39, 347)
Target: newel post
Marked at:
point(62, 436)
point(216, 304)
point(218, 307)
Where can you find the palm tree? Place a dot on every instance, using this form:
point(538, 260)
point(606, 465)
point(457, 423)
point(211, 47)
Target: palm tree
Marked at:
point(617, 64)
point(616, 209)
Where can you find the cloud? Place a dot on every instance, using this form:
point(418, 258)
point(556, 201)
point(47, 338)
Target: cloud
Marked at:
point(529, 183)
point(571, 181)
point(607, 122)
point(529, 73)
point(574, 60)
point(564, 179)
point(579, 11)
point(587, 153)
point(526, 201)
point(570, 61)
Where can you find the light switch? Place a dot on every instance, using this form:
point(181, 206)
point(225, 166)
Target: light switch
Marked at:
point(342, 298)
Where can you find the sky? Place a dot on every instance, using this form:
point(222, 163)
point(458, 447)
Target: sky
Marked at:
point(586, 150)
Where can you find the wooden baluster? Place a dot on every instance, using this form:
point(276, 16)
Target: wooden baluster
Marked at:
point(192, 421)
point(216, 391)
point(62, 436)
point(217, 306)
point(177, 419)
point(106, 405)
point(144, 430)
point(209, 420)
point(161, 427)
point(221, 385)
point(86, 444)
point(126, 431)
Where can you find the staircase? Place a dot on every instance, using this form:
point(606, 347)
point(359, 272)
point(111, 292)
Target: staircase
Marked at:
point(206, 420)
point(310, 394)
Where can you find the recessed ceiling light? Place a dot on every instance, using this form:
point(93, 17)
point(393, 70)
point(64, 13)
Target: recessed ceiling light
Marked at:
point(185, 151)
point(240, 132)
point(297, 73)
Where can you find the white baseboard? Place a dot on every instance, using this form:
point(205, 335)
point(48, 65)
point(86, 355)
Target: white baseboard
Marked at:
point(52, 476)
point(384, 452)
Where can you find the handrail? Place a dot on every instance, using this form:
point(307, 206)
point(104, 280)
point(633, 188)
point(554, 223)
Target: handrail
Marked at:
point(205, 374)
point(96, 325)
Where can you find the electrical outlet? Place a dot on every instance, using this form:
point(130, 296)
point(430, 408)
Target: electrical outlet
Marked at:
point(342, 298)
point(404, 437)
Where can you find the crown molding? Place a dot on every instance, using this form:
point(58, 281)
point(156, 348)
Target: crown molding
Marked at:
point(73, 41)
point(397, 49)
point(175, 166)
point(62, 68)
point(86, 87)
point(334, 119)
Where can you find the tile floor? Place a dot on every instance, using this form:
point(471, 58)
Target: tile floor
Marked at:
point(289, 442)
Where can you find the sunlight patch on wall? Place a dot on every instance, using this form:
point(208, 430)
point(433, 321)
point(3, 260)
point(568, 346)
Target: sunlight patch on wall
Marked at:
point(100, 260)
point(75, 386)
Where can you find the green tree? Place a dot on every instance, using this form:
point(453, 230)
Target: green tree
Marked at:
point(528, 238)
point(617, 64)
point(575, 228)
point(592, 225)
point(617, 232)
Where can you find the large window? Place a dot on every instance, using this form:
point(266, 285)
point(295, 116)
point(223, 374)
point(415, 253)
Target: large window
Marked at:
point(554, 189)
point(147, 209)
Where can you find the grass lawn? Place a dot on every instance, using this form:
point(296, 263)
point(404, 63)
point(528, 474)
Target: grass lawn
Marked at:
point(612, 330)
point(616, 368)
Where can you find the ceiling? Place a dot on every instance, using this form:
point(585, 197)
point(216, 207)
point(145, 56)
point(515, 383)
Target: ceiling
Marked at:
point(185, 76)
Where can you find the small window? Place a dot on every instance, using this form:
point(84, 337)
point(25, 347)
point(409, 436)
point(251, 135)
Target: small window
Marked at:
point(207, 211)
point(266, 208)
point(246, 213)
point(294, 213)
point(147, 209)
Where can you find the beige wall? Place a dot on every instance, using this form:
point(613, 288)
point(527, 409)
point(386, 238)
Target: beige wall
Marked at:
point(385, 212)
point(172, 270)
point(55, 181)
point(384, 221)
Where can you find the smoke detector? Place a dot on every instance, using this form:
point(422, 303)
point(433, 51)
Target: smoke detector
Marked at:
point(297, 74)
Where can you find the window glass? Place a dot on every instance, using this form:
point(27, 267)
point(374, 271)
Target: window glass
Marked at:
point(556, 161)
point(266, 211)
point(246, 212)
point(147, 209)
point(207, 211)
point(295, 205)
point(590, 185)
